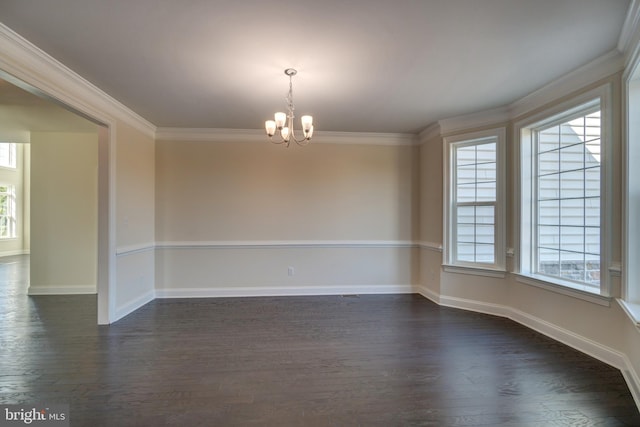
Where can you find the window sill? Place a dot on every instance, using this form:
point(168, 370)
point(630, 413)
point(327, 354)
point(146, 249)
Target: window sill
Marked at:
point(565, 288)
point(632, 310)
point(476, 271)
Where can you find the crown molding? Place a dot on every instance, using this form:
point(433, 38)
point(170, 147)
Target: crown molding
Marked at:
point(629, 43)
point(604, 66)
point(368, 138)
point(209, 135)
point(484, 118)
point(24, 62)
point(629, 30)
point(600, 68)
point(252, 135)
point(431, 131)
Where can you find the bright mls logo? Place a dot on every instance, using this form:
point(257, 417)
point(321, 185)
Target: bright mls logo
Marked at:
point(34, 415)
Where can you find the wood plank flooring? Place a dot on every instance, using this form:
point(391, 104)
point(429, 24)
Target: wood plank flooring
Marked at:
point(374, 360)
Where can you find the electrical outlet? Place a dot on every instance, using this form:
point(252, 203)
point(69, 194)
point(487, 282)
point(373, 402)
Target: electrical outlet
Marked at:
point(291, 271)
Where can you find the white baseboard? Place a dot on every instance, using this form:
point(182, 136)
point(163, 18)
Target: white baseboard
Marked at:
point(428, 294)
point(246, 291)
point(585, 345)
point(565, 336)
point(134, 304)
point(473, 305)
point(594, 349)
point(633, 381)
point(14, 253)
point(62, 290)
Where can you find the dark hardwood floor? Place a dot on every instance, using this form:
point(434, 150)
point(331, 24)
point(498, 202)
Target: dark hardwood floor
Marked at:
point(385, 360)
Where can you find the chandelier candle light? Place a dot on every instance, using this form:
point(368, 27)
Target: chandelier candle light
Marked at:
point(281, 119)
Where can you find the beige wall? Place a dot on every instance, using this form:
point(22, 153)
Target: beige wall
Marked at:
point(431, 209)
point(431, 190)
point(63, 212)
point(135, 219)
point(358, 199)
point(258, 191)
point(135, 205)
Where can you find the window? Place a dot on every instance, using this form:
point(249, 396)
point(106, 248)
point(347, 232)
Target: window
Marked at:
point(8, 155)
point(474, 228)
point(562, 213)
point(7, 211)
point(631, 230)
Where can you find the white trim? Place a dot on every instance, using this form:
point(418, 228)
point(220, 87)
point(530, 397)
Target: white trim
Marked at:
point(61, 82)
point(134, 304)
point(630, 154)
point(632, 379)
point(62, 290)
point(493, 117)
point(14, 252)
point(568, 289)
point(524, 196)
point(476, 306)
point(450, 144)
point(598, 69)
point(632, 310)
point(594, 349)
point(258, 291)
point(629, 28)
point(431, 131)
point(253, 135)
point(430, 246)
point(274, 244)
point(134, 249)
point(615, 269)
point(428, 294)
point(475, 270)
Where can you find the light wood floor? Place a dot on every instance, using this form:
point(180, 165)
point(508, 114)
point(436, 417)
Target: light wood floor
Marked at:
point(375, 360)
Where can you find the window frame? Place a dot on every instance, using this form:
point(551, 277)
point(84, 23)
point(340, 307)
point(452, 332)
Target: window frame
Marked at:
point(12, 208)
point(526, 204)
point(630, 295)
point(451, 263)
point(13, 155)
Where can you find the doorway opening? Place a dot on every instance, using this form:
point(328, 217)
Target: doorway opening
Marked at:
point(62, 206)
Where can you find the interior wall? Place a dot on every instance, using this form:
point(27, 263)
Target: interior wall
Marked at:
point(63, 212)
point(232, 217)
point(430, 224)
point(135, 219)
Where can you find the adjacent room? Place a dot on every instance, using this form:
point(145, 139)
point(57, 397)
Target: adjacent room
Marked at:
point(438, 225)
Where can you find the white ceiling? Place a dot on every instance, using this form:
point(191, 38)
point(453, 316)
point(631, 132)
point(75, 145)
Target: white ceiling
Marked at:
point(364, 65)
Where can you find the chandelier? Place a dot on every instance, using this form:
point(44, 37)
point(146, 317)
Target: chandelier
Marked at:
point(284, 121)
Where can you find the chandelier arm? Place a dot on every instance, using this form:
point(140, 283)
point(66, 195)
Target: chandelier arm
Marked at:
point(282, 141)
point(304, 142)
